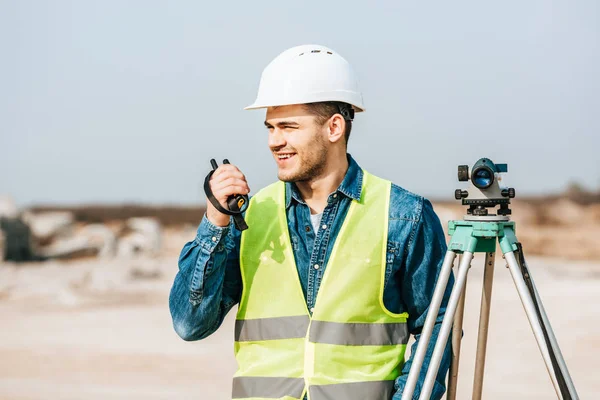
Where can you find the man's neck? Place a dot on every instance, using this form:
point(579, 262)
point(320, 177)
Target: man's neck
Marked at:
point(316, 191)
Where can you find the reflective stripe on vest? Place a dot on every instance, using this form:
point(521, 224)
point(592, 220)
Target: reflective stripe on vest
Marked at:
point(349, 334)
point(267, 387)
point(248, 330)
point(274, 388)
point(352, 347)
point(353, 391)
point(357, 334)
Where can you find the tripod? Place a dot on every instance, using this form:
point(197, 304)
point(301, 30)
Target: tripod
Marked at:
point(479, 234)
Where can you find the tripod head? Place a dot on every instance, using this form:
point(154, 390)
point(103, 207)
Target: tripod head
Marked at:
point(484, 190)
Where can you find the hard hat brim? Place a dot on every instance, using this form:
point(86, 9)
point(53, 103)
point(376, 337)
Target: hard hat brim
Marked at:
point(257, 106)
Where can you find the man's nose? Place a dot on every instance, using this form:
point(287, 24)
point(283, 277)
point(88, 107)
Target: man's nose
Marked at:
point(276, 139)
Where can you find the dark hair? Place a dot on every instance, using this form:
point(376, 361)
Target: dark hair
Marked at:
point(327, 109)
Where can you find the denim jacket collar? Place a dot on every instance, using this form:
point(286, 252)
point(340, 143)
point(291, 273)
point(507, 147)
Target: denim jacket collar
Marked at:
point(350, 187)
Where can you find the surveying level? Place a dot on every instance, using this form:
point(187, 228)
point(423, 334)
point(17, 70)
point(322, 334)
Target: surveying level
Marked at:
point(237, 204)
point(485, 190)
point(479, 232)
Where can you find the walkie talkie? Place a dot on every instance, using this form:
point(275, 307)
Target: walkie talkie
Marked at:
point(237, 204)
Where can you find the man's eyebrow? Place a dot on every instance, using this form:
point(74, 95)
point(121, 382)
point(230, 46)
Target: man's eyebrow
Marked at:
point(282, 123)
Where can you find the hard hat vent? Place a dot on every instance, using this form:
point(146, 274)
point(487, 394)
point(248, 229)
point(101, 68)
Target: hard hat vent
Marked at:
point(315, 51)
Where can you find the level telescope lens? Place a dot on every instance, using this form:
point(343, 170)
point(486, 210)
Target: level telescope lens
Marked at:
point(483, 177)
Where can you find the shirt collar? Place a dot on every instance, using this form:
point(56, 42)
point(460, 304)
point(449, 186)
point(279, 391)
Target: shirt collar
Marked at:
point(350, 187)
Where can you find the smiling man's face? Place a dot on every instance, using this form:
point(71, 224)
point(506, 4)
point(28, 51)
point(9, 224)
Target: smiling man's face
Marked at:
point(299, 145)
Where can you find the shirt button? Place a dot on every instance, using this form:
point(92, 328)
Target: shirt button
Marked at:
point(335, 195)
point(316, 266)
point(312, 309)
point(324, 226)
point(214, 239)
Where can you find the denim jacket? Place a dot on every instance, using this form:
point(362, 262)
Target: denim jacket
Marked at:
point(209, 284)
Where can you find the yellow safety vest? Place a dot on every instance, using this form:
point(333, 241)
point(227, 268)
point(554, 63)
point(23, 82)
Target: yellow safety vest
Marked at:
point(352, 348)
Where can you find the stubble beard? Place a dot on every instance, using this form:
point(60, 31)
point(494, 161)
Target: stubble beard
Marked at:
point(311, 164)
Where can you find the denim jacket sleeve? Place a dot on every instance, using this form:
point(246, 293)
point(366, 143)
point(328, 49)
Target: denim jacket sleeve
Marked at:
point(208, 283)
point(424, 260)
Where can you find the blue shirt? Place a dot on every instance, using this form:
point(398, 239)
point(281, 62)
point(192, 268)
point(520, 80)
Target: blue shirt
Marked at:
point(209, 283)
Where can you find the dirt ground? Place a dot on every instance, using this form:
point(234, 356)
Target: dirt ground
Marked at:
point(101, 329)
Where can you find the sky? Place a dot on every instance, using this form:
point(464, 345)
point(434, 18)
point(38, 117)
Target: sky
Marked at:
point(127, 101)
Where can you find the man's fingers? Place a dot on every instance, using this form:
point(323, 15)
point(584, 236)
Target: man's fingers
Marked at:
point(219, 180)
point(227, 169)
point(233, 189)
point(231, 181)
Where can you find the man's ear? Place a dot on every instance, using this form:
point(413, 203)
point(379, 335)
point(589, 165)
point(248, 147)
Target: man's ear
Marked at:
point(336, 126)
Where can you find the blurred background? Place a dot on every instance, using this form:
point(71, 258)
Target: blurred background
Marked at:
point(110, 112)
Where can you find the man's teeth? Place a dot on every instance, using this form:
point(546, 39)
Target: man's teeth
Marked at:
point(282, 156)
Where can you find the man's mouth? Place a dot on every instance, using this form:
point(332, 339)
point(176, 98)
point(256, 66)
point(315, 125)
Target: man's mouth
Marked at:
point(282, 157)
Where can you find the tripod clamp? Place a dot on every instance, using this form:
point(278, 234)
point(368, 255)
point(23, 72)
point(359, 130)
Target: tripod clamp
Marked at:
point(237, 203)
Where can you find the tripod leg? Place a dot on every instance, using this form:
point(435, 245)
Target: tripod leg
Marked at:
point(559, 356)
point(484, 320)
point(434, 307)
point(438, 351)
point(456, 342)
point(529, 307)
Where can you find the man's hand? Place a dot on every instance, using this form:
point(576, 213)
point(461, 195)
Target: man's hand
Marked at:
point(226, 181)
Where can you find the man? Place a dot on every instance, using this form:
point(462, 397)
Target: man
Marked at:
point(337, 267)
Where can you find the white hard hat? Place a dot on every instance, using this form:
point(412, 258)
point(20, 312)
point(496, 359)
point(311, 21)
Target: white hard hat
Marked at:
point(308, 74)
